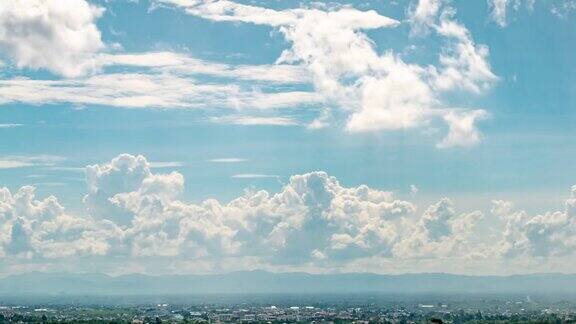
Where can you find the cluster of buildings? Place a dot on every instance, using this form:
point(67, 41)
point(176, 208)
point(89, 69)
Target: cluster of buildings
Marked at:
point(244, 314)
point(369, 311)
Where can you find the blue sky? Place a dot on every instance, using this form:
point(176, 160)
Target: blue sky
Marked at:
point(470, 100)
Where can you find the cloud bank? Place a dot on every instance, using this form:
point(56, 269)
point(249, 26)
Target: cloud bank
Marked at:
point(313, 222)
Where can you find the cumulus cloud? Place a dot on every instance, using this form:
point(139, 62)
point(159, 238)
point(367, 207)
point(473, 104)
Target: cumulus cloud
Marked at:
point(276, 227)
point(58, 35)
point(545, 235)
point(440, 232)
point(136, 213)
point(31, 227)
point(313, 221)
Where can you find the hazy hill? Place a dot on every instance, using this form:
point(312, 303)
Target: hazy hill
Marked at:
point(260, 282)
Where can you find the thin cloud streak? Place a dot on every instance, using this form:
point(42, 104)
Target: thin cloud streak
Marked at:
point(254, 176)
point(228, 160)
point(167, 164)
point(16, 161)
point(255, 121)
point(10, 125)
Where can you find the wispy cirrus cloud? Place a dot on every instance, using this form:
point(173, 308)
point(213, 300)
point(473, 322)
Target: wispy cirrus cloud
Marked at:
point(23, 161)
point(183, 64)
point(10, 125)
point(49, 184)
point(499, 9)
point(255, 120)
point(228, 160)
point(147, 90)
point(65, 168)
point(12, 164)
point(254, 176)
point(166, 164)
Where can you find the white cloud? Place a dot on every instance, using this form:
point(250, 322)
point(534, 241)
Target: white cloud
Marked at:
point(12, 162)
point(144, 206)
point(312, 219)
point(10, 125)
point(57, 35)
point(562, 8)
point(61, 36)
point(399, 100)
point(328, 47)
point(255, 120)
point(65, 168)
point(313, 222)
point(422, 15)
point(463, 64)
point(48, 184)
point(123, 174)
point(31, 227)
point(462, 130)
point(228, 160)
point(375, 91)
point(225, 10)
point(498, 13)
point(136, 213)
point(439, 233)
point(500, 8)
point(545, 235)
point(253, 176)
point(166, 164)
point(140, 90)
point(182, 64)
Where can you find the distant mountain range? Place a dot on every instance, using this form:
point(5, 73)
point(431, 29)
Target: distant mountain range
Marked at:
point(260, 282)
